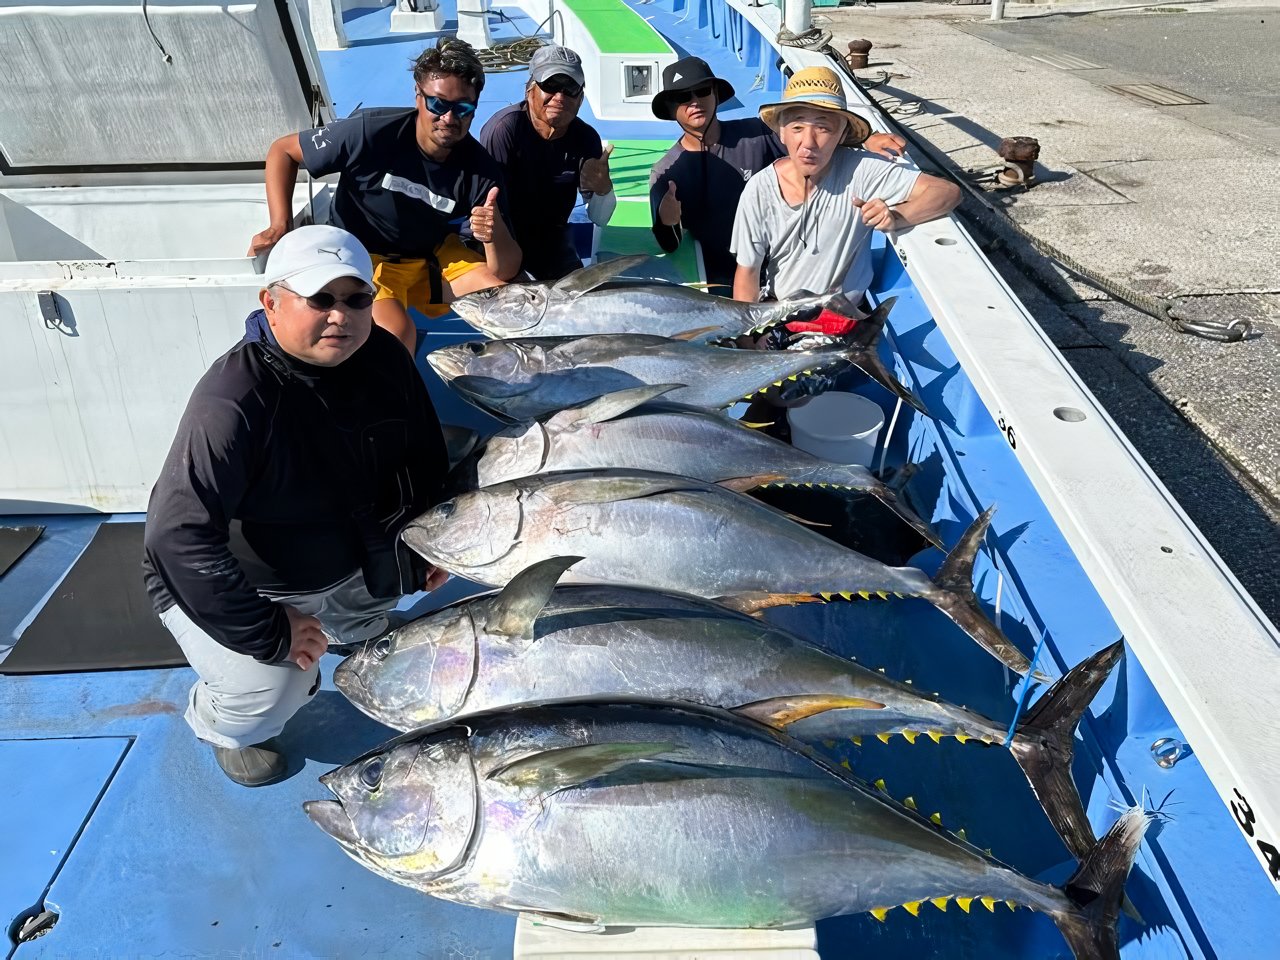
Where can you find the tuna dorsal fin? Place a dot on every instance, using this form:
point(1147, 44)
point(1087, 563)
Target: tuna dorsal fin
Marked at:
point(780, 712)
point(611, 405)
point(516, 608)
point(556, 769)
point(588, 278)
point(743, 484)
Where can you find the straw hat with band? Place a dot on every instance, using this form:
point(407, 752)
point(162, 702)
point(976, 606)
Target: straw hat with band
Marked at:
point(682, 76)
point(817, 88)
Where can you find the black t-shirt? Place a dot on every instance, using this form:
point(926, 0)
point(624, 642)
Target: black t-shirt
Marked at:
point(287, 477)
point(392, 196)
point(708, 185)
point(543, 177)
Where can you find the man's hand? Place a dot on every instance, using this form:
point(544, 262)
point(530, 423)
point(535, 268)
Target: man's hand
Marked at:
point(268, 238)
point(595, 174)
point(877, 214)
point(482, 217)
point(888, 145)
point(669, 210)
point(307, 641)
point(436, 578)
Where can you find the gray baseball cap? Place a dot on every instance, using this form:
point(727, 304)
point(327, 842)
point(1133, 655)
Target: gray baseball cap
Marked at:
point(551, 60)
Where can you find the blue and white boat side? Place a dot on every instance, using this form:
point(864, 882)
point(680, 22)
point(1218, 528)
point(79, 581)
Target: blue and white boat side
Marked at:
point(1086, 546)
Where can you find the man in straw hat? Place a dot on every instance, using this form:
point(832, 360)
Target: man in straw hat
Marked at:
point(695, 187)
point(808, 217)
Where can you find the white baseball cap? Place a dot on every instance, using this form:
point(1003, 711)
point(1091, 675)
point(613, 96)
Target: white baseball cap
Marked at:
point(309, 257)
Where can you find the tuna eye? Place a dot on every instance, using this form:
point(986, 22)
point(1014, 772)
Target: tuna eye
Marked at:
point(475, 348)
point(371, 773)
point(382, 649)
point(446, 509)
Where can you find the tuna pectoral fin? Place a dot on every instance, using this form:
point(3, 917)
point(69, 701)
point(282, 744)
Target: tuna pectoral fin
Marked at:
point(552, 770)
point(780, 712)
point(695, 332)
point(753, 604)
point(1098, 887)
point(1044, 742)
point(513, 611)
point(588, 278)
point(610, 405)
point(565, 921)
point(952, 593)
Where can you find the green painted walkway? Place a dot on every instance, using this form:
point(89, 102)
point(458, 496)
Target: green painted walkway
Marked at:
point(616, 28)
point(629, 229)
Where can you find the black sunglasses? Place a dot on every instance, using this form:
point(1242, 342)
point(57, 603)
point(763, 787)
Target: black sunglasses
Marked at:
point(684, 96)
point(326, 301)
point(560, 84)
point(440, 106)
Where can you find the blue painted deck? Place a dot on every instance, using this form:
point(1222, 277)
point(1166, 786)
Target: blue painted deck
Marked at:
point(118, 819)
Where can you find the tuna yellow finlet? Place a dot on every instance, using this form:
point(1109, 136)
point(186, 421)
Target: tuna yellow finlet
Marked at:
point(909, 803)
point(963, 903)
point(913, 907)
point(935, 735)
point(910, 736)
point(989, 903)
point(845, 764)
point(884, 737)
point(936, 818)
point(963, 737)
point(879, 785)
point(1011, 905)
point(880, 912)
point(961, 835)
point(940, 903)
point(856, 741)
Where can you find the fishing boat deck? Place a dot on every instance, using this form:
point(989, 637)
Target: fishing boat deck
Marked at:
point(119, 821)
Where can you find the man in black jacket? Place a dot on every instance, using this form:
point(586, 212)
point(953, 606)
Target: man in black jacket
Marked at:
point(272, 530)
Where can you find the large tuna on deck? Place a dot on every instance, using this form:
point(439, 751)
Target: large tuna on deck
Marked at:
point(524, 379)
point(674, 533)
point(573, 307)
point(535, 642)
point(648, 814)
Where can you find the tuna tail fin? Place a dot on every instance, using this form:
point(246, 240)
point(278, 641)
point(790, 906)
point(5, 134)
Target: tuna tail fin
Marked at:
point(1044, 743)
point(862, 351)
point(952, 593)
point(1097, 889)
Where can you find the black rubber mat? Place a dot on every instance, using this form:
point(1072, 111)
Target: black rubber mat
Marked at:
point(99, 618)
point(14, 542)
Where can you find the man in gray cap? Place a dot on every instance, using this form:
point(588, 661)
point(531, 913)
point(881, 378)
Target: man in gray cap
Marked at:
point(548, 156)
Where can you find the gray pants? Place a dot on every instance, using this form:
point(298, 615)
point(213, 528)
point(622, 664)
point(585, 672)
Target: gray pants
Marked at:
point(239, 701)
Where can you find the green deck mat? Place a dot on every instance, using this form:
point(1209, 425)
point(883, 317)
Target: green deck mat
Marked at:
point(616, 28)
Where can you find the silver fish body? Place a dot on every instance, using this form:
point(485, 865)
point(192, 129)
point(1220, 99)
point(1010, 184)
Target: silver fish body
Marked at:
point(664, 309)
point(673, 533)
point(648, 814)
point(623, 430)
point(528, 378)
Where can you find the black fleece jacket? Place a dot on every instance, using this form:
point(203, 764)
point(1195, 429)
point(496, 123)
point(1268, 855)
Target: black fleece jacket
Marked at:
point(286, 478)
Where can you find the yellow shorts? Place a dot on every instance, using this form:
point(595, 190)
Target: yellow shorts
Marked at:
point(416, 283)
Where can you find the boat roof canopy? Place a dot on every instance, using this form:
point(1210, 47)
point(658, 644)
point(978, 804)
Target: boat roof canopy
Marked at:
point(109, 86)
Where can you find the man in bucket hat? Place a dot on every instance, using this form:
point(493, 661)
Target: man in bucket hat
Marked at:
point(808, 217)
point(548, 156)
point(696, 185)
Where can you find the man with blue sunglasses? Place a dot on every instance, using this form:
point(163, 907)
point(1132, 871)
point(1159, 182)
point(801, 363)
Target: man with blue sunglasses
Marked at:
point(416, 189)
point(548, 156)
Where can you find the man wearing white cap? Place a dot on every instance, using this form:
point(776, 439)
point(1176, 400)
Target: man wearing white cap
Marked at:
point(272, 529)
point(548, 156)
point(808, 217)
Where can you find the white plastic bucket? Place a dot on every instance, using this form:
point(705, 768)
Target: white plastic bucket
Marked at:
point(841, 427)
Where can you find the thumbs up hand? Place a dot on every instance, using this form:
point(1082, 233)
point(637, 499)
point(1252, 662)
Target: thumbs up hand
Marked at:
point(595, 174)
point(482, 217)
point(669, 210)
point(876, 214)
